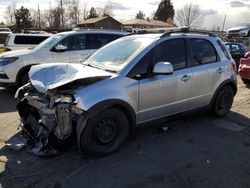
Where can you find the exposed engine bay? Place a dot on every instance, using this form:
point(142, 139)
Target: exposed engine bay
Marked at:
point(46, 118)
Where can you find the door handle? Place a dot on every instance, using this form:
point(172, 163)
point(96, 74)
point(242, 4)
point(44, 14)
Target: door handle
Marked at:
point(185, 78)
point(219, 70)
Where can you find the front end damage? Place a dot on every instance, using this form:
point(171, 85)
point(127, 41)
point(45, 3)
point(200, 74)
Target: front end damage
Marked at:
point(49, 113)
point(47, 119)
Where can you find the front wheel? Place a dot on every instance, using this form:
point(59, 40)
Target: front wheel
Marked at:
point(104, 133)
point(223, 101)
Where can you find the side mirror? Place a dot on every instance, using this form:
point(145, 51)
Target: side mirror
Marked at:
point(60, 48)
point(163, 68)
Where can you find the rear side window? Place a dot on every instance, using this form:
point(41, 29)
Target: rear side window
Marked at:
point(172, 51)
point(203, 52)
point(224, 50)
point(34, 40)
point(95, 41)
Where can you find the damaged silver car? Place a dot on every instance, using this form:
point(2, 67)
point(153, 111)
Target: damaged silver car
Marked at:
point(129, 82)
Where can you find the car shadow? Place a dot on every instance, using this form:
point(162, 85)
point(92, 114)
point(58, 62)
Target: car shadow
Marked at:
point(168, 153)
point(7, 102)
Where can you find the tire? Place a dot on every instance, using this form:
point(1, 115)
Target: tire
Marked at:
point(104, 133)
point(24, 79)
point(245, 81)
point(223, 101)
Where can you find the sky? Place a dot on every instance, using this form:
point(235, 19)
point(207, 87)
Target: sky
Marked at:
point(237, 11)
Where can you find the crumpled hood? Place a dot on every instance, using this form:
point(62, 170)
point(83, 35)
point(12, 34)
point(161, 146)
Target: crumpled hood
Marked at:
point(50, 76)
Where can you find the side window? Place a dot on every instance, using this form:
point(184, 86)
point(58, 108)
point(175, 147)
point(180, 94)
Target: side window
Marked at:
point(29, 39)
point(77, 42)
point(95, 41)
point(203, 52)
point(172, 51)
point(235, 48)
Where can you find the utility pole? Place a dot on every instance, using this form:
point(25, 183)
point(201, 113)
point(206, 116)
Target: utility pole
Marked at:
point(39, 17)
point(61, 5)
point(224, 22)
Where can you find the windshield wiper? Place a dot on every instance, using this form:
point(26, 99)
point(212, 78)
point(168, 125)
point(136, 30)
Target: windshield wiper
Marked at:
point(107, 70)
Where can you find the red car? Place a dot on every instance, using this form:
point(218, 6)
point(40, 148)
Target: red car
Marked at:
point(244, 68)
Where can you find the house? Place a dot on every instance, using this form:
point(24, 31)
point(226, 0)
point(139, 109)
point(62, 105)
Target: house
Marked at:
point(137, 24)
point(100, 23)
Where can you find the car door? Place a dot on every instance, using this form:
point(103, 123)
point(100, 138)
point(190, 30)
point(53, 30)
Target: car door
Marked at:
point(207, 72)
point(60, 56)
point(77, 48)
point(162, 95)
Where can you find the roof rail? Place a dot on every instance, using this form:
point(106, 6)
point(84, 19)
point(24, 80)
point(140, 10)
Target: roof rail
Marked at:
point(185, 30)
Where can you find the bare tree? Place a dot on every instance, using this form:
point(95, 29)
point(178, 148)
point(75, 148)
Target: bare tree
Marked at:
point(108, 10)
point(85, 10)
point(189, 15)
point(48, 15)
point(73, 11)
point(10, 14)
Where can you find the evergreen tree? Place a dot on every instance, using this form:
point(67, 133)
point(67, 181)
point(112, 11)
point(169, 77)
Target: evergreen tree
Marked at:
point(92, 13)
point(140, 15)
point(165, 11)
point(23, 18)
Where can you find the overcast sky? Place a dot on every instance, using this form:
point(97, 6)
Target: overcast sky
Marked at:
point(238, 12)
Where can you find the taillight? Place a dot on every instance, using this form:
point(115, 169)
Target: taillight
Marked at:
point(234, 66)
point(7, 49)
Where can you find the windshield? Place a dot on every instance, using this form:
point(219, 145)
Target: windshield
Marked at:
point(49, 42)
point(115, 56)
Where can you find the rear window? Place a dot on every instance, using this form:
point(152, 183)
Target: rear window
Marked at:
point(29, 39)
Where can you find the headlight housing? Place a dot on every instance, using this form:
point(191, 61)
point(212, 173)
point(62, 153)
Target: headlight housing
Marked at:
point(7, 60)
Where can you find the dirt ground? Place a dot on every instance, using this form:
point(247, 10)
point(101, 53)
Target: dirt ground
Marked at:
point(198, 151)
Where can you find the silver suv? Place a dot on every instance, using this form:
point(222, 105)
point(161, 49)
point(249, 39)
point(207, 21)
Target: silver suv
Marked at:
point(133, 80)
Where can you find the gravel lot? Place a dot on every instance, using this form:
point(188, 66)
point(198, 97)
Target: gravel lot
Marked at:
point(197, 151)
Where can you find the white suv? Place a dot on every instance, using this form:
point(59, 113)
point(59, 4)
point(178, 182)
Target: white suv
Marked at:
point(66, 47)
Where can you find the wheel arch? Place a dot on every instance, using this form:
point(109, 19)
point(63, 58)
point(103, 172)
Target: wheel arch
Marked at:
point(229, 82)
point(115, 103)
point(22, 71)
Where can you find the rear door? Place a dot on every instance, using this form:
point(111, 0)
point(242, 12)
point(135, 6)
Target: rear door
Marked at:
point(207, 71)
point(83, 45)
point(162, 95)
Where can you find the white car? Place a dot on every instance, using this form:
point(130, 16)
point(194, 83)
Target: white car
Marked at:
point(66, 47)
point(24, 41)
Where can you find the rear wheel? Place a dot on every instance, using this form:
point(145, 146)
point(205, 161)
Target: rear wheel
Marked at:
point(104, 133)
point(223, 101)
point(245, 81)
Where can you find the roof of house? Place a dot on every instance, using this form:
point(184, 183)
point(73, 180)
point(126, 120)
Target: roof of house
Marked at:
point(94, 20)
point(150, 22)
